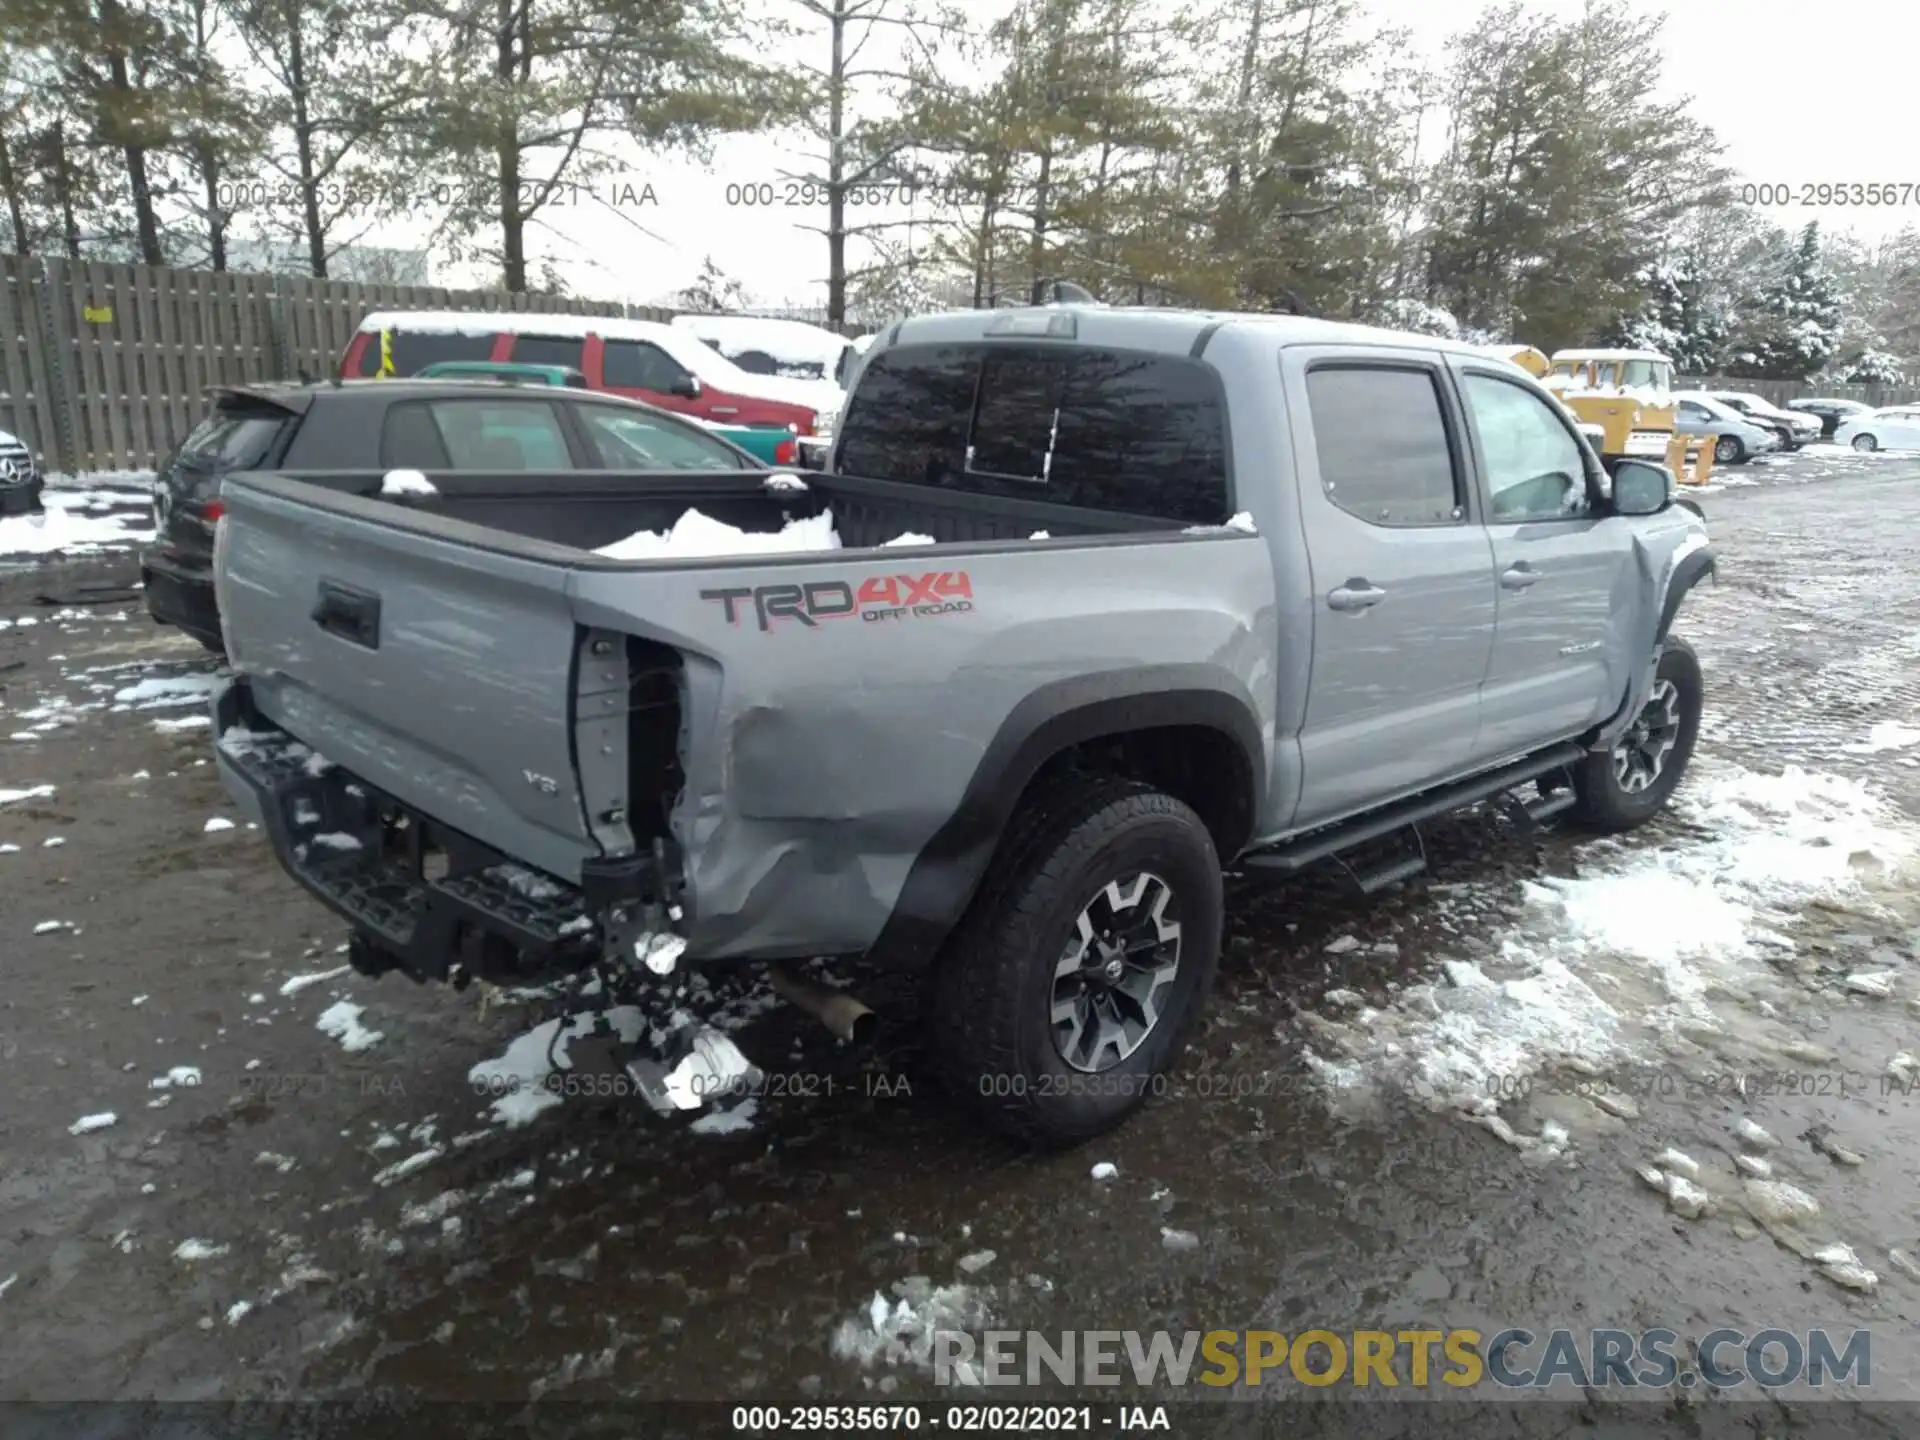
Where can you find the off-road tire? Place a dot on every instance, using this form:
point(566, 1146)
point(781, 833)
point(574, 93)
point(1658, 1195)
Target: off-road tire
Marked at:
point(1603, 804)
point(992, 987)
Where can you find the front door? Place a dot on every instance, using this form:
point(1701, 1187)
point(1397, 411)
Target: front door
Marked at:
point(1402, 577)
point(1562, 571)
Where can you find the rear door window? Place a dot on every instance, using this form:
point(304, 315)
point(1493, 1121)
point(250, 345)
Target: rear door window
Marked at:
point(475, 435)
point(625, 440)
point(548, 350)
point(636, 365)
point(1114, 431)
point(414, 351)
point(1385, 455)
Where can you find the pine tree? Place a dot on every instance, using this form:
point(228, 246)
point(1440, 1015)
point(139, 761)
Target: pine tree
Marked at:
point(520, 101)
point(1794, 327)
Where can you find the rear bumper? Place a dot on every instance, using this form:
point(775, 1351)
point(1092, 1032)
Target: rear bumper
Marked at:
point(365, 856)
point(181, 595)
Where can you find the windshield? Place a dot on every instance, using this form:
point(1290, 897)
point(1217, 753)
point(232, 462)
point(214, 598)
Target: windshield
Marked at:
point(1649, 374)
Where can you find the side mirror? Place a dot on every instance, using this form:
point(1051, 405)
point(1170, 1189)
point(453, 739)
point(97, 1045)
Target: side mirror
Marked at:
point(687, 387)
point(1642, 488)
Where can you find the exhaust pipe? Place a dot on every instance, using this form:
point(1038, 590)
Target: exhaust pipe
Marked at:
point(845, 1016)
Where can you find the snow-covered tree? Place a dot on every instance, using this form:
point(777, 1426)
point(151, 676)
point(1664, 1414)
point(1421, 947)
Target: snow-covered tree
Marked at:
point(1872, 367)
point(1795, 326)
point(713, 291)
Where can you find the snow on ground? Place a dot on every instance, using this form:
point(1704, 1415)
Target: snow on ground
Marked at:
point(341, 1020)
point(164, 690)
point(901, 1332)
point(517, 1080)
point(76, 522)
point(1647, 941)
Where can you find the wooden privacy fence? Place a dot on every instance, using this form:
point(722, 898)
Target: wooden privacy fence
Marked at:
point(1778, 392)
point(101, 365)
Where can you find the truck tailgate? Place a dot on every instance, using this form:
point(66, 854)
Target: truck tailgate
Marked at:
point(440, 672)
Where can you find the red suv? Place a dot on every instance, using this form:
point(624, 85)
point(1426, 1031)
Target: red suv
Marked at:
point(636, 358)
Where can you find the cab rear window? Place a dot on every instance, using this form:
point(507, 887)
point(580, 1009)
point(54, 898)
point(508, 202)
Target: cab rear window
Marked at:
point(1119, 431)
point(413, 351)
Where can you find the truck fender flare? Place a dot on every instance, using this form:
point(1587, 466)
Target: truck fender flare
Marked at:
point(1691, 570)
point(1692, 566)
point(948, 870)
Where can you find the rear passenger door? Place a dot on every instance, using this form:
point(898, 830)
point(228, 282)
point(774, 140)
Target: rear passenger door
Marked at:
point(1402, 577)
point(1561, 564)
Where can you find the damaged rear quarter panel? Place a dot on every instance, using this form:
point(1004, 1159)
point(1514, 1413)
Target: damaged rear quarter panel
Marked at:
point(821, 758)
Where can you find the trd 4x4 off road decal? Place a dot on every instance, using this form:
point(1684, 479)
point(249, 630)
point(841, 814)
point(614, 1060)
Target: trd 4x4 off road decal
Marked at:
point(877, 598)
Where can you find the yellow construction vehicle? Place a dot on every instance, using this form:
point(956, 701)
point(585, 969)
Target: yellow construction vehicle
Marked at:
point(1627, 396)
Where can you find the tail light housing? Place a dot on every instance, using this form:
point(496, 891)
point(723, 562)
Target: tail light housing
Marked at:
point(211, 512)
point(786, 452)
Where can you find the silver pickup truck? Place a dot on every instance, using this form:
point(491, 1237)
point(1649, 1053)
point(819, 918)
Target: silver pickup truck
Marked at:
point(1173, 592)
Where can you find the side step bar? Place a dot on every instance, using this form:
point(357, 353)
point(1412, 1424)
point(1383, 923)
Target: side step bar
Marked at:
point(1294, 856)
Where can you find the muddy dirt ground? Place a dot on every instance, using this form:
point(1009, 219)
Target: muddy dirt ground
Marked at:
point(312, 1220)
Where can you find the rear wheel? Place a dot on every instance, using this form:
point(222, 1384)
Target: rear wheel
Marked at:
point(1070, 985)
point(1865, 444)
point(1631, 783)
point(1729, 450)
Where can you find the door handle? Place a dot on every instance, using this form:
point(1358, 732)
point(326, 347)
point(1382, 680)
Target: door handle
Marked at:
point(1518, 577)
point(1356, 594)
point(353, 615)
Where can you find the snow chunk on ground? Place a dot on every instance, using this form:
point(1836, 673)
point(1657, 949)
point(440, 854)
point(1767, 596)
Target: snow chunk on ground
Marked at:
point(1890, 735)
point(301, 982)
point(517, 1079)
point(341, 1020)
point(88, 1123)
point(695, 535)
point(48, 927)
point(168, 690)
point(406, 482)
point(901, 1332)
point(727, 1122)
point(32, 792)
point(184, 722)
point(184, 1075)
point(1105, 1170)
point(197, 1249)
point(216, 824)
point(238, 1311)
point(910, 538)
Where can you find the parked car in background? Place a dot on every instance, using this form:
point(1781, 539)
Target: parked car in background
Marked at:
point(1830, 413)
point(1794, 429)
point(508, 372)
point(20, 477)
point(433, 426)
point(1895, 428)
point(1736, 439)
point(791, 348)
point(638, 359)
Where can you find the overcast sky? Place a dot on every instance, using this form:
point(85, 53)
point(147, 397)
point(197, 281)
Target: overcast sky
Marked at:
point(1798, 93)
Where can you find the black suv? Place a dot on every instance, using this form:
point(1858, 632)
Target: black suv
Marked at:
point(20, 478)
point(446, 426)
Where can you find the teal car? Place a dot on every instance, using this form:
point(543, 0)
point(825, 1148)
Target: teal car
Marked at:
point(512, 372)
point(763, 442)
